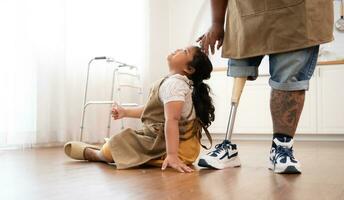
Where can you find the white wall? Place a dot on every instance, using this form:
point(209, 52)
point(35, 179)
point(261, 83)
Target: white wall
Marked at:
point(187, 21)
point(158, 41)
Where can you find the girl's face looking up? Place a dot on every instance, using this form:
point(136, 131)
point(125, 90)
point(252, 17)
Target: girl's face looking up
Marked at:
point(179, 59)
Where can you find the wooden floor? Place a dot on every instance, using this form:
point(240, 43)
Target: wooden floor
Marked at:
point(49, 174)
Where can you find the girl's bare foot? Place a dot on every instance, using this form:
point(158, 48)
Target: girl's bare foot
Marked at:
point(92, 155)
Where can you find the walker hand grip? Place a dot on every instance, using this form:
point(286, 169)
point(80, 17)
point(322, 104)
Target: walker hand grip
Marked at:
point(100, 58)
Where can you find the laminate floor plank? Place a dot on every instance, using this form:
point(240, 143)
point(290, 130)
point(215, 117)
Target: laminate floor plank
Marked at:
point(46, 173)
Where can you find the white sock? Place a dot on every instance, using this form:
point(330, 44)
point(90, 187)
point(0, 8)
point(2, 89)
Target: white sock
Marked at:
point(101, 156)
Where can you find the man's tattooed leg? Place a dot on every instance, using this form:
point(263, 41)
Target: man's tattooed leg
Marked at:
point(286, 108)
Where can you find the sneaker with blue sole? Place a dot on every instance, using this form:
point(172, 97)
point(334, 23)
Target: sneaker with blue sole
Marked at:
point(224, 155)
point(282, 160)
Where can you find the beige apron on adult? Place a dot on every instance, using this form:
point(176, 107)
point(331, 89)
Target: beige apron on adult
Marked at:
point(261, 27)
point(132, 148)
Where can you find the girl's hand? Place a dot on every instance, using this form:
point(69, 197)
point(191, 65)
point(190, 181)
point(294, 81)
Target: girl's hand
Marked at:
point(118, 111)
point(174, 162)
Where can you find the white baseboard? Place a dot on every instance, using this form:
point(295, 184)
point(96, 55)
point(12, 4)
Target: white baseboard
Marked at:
point(268, 137)
point(217, 137)
point(31, 146)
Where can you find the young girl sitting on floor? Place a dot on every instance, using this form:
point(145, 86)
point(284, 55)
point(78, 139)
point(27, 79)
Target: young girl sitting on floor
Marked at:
point(178, 107)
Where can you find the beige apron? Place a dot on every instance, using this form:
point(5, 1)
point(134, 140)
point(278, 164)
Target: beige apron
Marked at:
point(132, 148)
point(261, 27)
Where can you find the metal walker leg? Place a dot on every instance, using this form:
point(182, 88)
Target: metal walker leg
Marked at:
point(115, 83)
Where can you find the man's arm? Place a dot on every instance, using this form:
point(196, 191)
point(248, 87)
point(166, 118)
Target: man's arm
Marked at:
point(218, 11)
point(216, 31)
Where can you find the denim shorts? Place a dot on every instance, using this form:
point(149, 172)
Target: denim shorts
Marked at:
point(289, 71)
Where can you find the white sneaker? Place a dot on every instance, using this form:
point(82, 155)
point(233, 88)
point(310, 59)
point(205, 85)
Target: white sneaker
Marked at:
point(282, 160)
point(225, 155)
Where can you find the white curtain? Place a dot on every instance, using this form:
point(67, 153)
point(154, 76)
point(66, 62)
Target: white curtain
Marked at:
point(44, 51)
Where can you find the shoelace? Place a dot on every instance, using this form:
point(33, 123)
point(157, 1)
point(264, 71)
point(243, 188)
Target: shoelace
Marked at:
point(284, 152)
point(221, 147)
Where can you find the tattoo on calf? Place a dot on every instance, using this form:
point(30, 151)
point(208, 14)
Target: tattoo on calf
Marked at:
point(286, 108)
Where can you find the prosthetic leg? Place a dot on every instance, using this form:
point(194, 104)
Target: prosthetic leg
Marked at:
point(225, 154)
point(238, 86)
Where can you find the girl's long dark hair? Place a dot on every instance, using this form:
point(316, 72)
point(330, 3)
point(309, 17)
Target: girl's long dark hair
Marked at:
point(202, 101)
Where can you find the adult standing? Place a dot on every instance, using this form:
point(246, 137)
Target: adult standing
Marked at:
point(290, 32)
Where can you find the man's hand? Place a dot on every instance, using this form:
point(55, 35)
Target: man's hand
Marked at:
point(174, 162)
point(215, 33)
point(118, 111)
